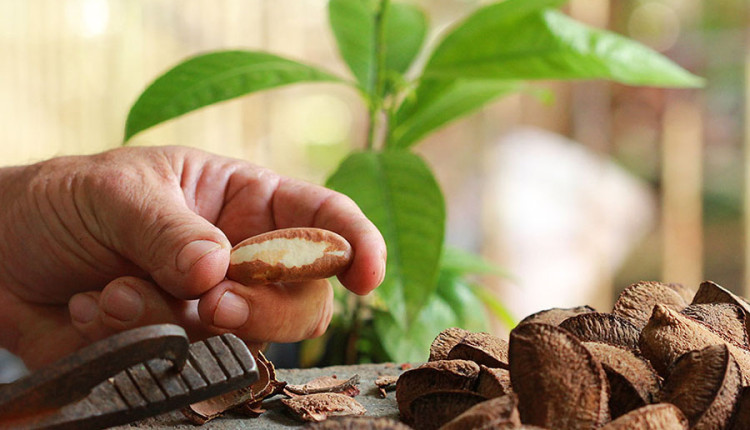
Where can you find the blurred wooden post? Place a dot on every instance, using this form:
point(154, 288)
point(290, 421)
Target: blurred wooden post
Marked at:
point(745, 290)
point(590, 117)
point(682, 177)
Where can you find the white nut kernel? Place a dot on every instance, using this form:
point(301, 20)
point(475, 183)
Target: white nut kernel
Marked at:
point(289, 255)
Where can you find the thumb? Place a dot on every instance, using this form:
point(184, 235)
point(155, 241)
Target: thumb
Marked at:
point(184, 253)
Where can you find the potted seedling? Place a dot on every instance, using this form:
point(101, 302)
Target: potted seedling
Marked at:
point(493, 52)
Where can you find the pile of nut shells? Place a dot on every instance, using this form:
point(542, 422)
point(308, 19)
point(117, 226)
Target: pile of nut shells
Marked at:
point(247, 401)
point(665, 357)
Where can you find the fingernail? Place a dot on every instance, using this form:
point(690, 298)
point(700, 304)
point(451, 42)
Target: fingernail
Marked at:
point(123, 303)
point(231, 312)
point(83, 308)
point(193, 252)
point(383, 267)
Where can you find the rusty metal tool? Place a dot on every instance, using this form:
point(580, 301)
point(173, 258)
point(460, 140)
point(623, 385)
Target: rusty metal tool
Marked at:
point(127, 377)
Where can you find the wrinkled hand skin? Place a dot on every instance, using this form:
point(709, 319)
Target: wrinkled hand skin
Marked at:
point(93, 245)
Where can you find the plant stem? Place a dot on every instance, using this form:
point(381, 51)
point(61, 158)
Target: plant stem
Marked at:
point(378, 76)
point(350, 354)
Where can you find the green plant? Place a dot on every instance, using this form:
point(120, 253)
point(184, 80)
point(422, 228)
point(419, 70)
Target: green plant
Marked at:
point(492, 53)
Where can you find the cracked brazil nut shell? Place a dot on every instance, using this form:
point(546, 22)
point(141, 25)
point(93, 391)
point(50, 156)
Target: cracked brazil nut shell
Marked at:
point(705, 385)
point(670, 334)
point(558, 382)
point(289, 255)
point(659, 416)
point(632, 380)
point(602, 327)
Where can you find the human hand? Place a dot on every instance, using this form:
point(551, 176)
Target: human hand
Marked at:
point(98, 244)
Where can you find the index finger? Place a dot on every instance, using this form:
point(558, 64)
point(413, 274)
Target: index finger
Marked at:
point(297, 203)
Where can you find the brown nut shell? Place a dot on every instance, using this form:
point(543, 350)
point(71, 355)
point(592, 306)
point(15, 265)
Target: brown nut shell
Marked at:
point(318, 407)
point(741, 417)
point(711, 292)
point(660, 416)
point(493, 382)
point(684, 291)
point(386, 383)
point(289, 255)
point(602, 327)
point(432, 410)
point(633, 383)
point(445, 341)
point(488, 415)
point(433, 376)
point(558, 382)
point(481, 348)
point(726, 318)
point(637, 301)
point(555, 316)
point(705, 385)
point(669, 334)
point(325, 384)
point(250, 396)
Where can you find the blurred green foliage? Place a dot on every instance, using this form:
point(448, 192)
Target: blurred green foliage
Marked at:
point(492, 53)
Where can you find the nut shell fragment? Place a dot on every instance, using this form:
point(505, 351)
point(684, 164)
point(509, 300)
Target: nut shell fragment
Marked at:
point(704, 384)
point(386, 383)
point(325, 384)
point(251, 396)
point(289, 255)
point(493, 382)
point(555, 316)
point(727, 319)
point(632, 381)
point(602, 327)
point(558, 382)
point(488, 414)
point(481, 348)
point(741, 418)
point(660, 416)
point(433, 376)
point(445, 341)
point(637, 301)
point(670, 334)
point(711, 292)
point(318, 407)
point(684, 291)
point(431, 410)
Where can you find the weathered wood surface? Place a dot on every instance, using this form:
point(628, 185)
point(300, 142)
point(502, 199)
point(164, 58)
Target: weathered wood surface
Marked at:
point(277, 417)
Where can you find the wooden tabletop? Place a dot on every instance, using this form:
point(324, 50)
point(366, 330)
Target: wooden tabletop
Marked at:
point(277, 417)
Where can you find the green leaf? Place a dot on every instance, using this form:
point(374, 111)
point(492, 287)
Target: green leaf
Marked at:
point(353, 25)
point(405, 30)
point(496, 307)
point(438, 102)
point(211, 78)
point(461, 262)
point(464, 303)
point(515, 40)
point(453, 305)
point(399, 193)
point(412, 344)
